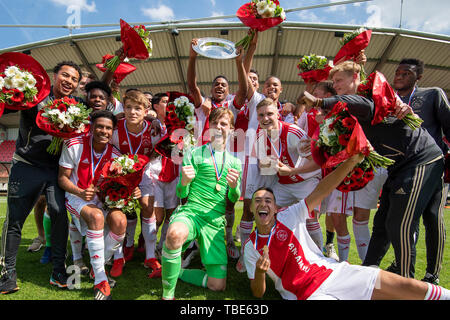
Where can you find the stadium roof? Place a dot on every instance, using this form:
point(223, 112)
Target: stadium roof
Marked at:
point(278, 53)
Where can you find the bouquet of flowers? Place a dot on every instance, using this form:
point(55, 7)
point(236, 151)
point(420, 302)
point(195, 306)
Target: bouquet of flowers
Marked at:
point(122, 70)
point(180, 114)
point(352, 43)
point(136, 44)
point(23, 82)
point(63, 118)
point(259, 15)
point(120, 176)
point(117, 196)
point(314, 68)
point(339, 137)
point(384, 97)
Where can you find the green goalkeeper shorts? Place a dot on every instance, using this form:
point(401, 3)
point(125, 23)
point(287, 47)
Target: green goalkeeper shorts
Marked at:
point(208, 228)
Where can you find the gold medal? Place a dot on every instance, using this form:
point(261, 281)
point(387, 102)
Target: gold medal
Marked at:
point(218, 188)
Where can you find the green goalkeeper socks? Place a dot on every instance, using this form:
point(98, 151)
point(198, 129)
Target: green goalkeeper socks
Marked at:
point(47, 229)
point(171, 266)
point(196, 277)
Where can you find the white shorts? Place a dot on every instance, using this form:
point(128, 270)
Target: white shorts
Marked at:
point(165, 194)
point(288, 194)
point(338, 202)
point(146, 185)
point(255, 180)
point(348, 282)
point(367, 197)
point(75, 204)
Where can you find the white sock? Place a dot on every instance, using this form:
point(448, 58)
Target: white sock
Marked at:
point(149, 234)
point(245, 228)
point(131, 231)
point(118, 254)
point(96, 246)
point(162, 237)
point(112, 243)
point(315, 232)
point(229, 216)
point(362, 237)
point(343, 247)
point(76, 242)
point(435, 292)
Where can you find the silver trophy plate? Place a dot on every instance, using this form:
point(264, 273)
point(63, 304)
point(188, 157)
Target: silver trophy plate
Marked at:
point(215, 48)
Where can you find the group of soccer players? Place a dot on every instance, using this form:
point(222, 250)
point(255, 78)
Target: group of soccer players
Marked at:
point(249, 147)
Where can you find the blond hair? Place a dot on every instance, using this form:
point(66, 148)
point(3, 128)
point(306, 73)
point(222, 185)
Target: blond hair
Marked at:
point(348, 66)
point(137, 97)
point(218, 113)
point(265, 103)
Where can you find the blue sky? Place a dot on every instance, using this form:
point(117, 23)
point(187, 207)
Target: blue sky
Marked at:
point(432, 17)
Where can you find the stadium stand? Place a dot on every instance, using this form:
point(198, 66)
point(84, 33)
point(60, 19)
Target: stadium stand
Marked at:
point(7, 148)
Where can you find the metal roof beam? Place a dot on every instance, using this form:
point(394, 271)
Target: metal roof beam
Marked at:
point(387, 51)
point(276, 55)
point(83, 58)
point(178, 62)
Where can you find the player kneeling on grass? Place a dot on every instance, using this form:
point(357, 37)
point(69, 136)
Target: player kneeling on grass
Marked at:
point(80, 166)
point(209, 174)
point(280, 247)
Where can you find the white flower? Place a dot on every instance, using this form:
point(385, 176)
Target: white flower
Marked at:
point(190, 126)
point(74, 110)
point(80, 128)
point(2, 83)
point(11, 71)
point(184, 99)
point(326, 133)
point(31, 82)
point(190, 120)
point(283, 15)
point(20, 84)
point(261, 7)
point(9, 83)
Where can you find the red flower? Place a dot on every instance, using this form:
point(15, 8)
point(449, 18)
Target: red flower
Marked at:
point(113, 195)
point(358, 173)
point(343, 139)
point(349, 123)
point(368, 175)
point(172, 116)
point(17, 96)
point(62, 107)
point(137, 166)
point(170, 108)
point(123, 193)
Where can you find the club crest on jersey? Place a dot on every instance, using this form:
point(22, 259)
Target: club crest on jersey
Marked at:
point(282, 235)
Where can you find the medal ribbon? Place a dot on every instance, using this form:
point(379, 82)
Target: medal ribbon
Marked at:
point(93, 164)
point(128, 138)
point(218, 175)
point(270, 236)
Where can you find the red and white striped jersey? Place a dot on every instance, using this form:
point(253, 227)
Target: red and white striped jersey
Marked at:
point(130, 143)
point(297, 265)
point(78, 155)
point(286, 149)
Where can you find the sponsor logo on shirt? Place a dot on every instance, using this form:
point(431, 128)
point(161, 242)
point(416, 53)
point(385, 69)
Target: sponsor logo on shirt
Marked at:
point(298, 258)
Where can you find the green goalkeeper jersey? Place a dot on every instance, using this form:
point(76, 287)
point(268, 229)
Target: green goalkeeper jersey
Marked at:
point(203, 190)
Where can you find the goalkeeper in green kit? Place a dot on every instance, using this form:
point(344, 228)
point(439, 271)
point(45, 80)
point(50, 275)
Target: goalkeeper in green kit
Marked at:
point(209, 174)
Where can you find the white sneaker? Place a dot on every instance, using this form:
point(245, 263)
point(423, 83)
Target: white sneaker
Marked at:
point(83, 268)
point(36, 245)
point(238, 234)
point(240, 266)
point(232, 251)
point(189, 254)
point(331, 252)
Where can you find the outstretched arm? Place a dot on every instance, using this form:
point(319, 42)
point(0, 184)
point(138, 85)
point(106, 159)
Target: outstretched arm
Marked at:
point(241, 94)
point(332, 181)
point(248, 61)
point(194, 90)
